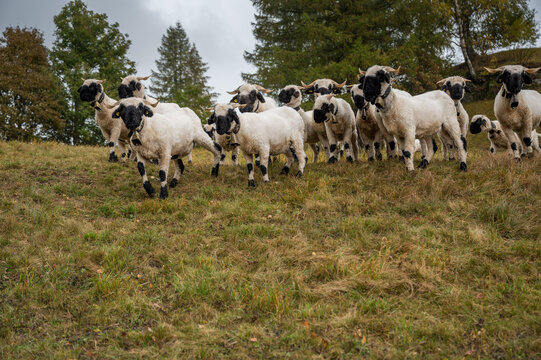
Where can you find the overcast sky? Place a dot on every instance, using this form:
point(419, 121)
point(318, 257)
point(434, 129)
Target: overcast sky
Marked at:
point(221, 29)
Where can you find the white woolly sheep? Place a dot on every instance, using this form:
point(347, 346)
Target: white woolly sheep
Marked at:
point(272, 132)
point(164, 137)
point(407, 117)
point(517, 110)
point(339, 122)
point(455, 87)
point(112, 129)
point(132, 86)
point(291, 96)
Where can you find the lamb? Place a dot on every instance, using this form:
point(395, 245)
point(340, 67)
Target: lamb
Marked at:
point(455, 87)
point(114, 130)
point(323, 87)
point(291, 96)
point(407, 117)
point(519, 112)
point(227, 142)
point(496, 136)
point(251, 96)
point(339, 122)
point(370, 126)
point(164, 137)
point(132, 86)
point(272, 132)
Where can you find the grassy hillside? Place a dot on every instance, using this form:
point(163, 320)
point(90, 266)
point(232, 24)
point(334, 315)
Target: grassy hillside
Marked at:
point(348, 262)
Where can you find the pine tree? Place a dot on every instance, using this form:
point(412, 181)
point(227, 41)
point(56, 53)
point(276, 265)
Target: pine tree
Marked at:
point(87, 46)
point(180, 75)
point(29, 105)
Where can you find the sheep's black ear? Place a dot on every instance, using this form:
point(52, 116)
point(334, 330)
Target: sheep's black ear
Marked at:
point(138, 86)
point(467, 89)
point(387, 78)
point(132, 85)
point(331, 108)
point(212, 119)
point(444, 88)
point(310, 90)
point(527, 78)
point(147, 111)
point(235, 99)
point(233, 115)
point(260, 97)
point(361, 79)
point(80, 89)
point(499, 80)
point(336, 90)
point(116, 113)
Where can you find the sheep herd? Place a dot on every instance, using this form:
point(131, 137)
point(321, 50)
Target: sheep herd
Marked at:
point(145, 129)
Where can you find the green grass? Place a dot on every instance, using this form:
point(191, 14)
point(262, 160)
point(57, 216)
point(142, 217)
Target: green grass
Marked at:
point(361, 261)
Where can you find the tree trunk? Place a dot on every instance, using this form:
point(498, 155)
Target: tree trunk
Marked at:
point(463, 47)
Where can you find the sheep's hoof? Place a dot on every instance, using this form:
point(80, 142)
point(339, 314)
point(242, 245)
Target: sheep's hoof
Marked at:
point(341, 153)
point(517, 159)
point(332, 160)
point(463, 166)
point(173, 183)
point(423, 164)
point(149, 189)
point(402, 159)
point(251, 183)
point(215, 169)
point(371, 158)
point(257, 163)
point(299, 174)
point(379, 157)
point(163, 192)
point(285, 171)
point(113, 157)
point(155, 161)
point(350, 159)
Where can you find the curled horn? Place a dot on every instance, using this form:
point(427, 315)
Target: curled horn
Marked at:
point(151, 104)
point(241, 106)
point(143, 78)
point(441, 82)
point(209, 109)
point(261, 88)
point(102, 81)
point(339, 85)
point(468, 80)
point(112, 106)
point(362, 73)
point(308, 86)
point(390, 69)
point(493, 71)
point(83, 79)
point(234, 92)
point(532, 70)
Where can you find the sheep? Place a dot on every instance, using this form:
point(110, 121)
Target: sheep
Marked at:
point(496, 136)
point(275, 131)
point(407, 117)
point(455, 87)
point(112, 129)
point(323, 87)
point(164, 137)
point(339, 122)
point(251, 96)
point(370, 126)
point(132, 86)
point(291, 96)
point(519, 112)
point(227, 142)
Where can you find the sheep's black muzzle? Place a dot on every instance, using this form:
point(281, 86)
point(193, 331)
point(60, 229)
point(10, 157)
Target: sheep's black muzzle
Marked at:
point(324, 91)
point(456, 92)
point(124, 91)
point(284, 96)
point(359, 101)
point(320, 115)
point(132, 117)
point(371, 89)
point(475, 126)
point(88, 93)
point(222, 125)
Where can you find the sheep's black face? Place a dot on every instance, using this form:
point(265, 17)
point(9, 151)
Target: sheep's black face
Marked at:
point(225, 123)
point(514, 81)
point(286, 95)
point(372, 85)
point(249, 100)
point(323, 90)
point(131, 115)
point(358, 99)
point(320, 115)
point(126, 91)
point(456, 91)
point(477, 125)
point(88, 92)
